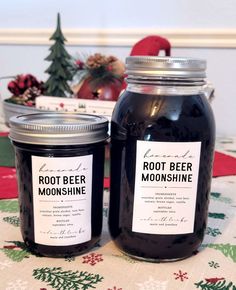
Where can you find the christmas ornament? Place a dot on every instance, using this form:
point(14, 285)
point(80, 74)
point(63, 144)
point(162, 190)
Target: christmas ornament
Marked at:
point(98, 77)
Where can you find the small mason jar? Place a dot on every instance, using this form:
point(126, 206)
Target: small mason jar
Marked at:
point(162, 145)
point(60, 169)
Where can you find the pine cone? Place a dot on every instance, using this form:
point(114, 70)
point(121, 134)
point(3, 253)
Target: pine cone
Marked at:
point(97, 60)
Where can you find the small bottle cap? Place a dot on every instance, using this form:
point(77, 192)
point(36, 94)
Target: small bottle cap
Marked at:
point(58, 129)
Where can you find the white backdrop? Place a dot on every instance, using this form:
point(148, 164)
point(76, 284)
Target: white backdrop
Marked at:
point(123, 16)
point(119, 13)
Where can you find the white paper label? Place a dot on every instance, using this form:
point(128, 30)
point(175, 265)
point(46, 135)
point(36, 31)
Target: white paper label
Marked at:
point(165, 187)
point(62, 193)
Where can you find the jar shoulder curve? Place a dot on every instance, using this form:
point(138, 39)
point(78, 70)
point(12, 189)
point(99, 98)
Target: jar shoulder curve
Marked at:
point(121, 106)
point(164, 112)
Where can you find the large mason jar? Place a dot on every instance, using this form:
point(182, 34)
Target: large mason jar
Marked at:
point(162, 147)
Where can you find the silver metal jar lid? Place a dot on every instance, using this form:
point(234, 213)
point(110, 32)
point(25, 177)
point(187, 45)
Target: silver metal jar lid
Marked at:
point(170, 67)
point(58, 129)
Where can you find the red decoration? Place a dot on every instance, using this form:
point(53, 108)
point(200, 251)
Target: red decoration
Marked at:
point(181, 275)
point(103, 77)
point(104, 91)
point(92, 259)
point(213, 280)
point(8, 184)
point(224, 165)
point(22, 83)
point(10, 247)
point(151, 45)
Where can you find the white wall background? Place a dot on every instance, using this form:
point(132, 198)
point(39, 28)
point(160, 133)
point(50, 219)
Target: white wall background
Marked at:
point(119, 13)
point(213, 20)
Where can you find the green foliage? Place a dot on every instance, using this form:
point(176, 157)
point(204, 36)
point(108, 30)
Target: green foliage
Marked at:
point(16, 255)
point(17, 252)
point(215, 194)
point(66, 280)
point(213, 231)
point(218, 197)
point(60, 68)
point(219, 285)
point(226, 249)
point(7, 155)
point(13, 220)
point(9, 205)
point(216, 215)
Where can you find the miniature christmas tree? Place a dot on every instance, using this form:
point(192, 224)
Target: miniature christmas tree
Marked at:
point(60, 68)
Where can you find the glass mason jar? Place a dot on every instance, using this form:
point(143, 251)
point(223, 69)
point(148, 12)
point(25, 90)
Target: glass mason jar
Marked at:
point(60, 167)
point(162, 146)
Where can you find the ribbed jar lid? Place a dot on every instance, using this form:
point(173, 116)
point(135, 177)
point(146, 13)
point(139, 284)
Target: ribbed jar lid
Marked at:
point(58, 129)
point(171, 67)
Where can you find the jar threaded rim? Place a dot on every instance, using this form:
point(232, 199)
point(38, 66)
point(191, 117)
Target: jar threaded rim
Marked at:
point(58, 128)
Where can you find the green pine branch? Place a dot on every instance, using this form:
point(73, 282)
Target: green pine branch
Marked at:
point(16, 255)
point(13, 220)
point(226, 249)
point(220, 285)
point(66, 280)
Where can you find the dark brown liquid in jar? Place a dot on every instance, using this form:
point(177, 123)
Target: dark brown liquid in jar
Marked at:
point(60, 186)
point(162, 148)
